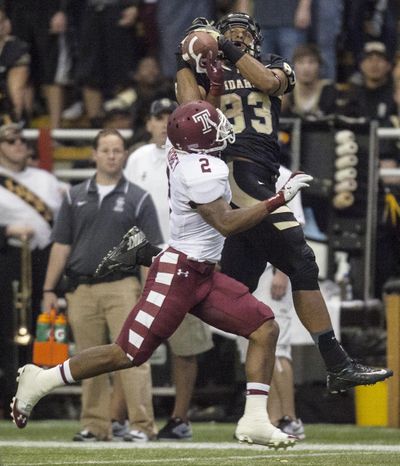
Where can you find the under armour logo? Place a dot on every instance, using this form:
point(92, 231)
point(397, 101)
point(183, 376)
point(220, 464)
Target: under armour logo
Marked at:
point(203, 117)
point(181, 272)
point(21, 418)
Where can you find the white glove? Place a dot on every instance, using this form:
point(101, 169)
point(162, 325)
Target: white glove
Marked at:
point(297, 181)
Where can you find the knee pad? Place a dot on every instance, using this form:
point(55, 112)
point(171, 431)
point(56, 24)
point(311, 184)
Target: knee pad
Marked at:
point(305, 274)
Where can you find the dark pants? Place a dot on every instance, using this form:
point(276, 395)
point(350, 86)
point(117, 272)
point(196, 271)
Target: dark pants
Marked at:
point(12, 355)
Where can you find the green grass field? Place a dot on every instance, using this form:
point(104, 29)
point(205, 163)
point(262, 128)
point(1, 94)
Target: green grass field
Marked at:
point(48, 443)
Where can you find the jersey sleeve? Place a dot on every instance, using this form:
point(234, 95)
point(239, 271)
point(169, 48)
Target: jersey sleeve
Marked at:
point(206, 179)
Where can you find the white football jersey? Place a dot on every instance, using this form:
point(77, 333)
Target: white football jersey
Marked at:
point(195, 178)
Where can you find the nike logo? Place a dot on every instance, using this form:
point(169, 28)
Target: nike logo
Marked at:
point(261, 183)
point(81, 203)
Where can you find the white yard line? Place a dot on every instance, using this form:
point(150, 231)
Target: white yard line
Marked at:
point(222, 460)
point(334, 447)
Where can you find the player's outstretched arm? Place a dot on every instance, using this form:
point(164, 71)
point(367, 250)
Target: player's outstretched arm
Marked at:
point(277, 79)
point(228, 221)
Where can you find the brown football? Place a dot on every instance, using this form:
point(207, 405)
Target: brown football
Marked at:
point(195, 48)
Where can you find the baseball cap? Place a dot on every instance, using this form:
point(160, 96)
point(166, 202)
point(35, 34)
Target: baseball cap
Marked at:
point(10, 130)
point(374, 47)
point(164, 105)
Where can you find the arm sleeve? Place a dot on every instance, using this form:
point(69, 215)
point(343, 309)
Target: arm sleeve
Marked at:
point(203, 191)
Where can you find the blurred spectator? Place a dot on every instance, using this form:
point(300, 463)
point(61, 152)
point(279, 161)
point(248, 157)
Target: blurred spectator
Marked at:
point(312, 96)
point(42, 24)
point(370, 20)
point(284, 24)
point(325, 28)
point(14, 72)
point(29, 200)
point(373, 98)
point(108, 51)
point(173, 17)
point(94, 216)
point(147, 85)
point(147, 167)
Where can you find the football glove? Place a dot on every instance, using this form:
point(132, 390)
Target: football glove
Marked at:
point(215, 74)
point(297, 181)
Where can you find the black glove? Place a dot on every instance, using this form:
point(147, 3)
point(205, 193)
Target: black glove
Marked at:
point(229, 49)
point(280, 63)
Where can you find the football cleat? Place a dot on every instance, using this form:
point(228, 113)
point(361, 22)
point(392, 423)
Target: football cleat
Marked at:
point(261, 432)
point(119, 430)
point(355, 374)
point(28, 394)
point(84, 436)
point(136, 436)
point(291, 426)
point(176, 429)
point(123, 258)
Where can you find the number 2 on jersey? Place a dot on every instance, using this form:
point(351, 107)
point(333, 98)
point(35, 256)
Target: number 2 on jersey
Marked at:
point(205, 165)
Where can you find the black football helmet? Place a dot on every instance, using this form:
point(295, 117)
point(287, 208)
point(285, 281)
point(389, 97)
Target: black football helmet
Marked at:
point(242, 20)
point(199, 127)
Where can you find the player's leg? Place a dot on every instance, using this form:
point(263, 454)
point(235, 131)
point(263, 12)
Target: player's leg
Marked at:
point(231, 308)
point(161, 307)
point(135, 382)
point(280, 240)
point(34, 382)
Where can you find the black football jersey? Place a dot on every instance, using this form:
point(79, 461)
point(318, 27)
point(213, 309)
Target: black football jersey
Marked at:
point(254, 116)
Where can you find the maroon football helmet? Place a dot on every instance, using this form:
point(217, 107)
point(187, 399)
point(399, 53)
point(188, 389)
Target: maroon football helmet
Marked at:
point(199, 127)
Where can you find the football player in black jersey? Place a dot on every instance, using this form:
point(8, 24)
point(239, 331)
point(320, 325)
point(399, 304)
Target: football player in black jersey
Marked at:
point(248, 90)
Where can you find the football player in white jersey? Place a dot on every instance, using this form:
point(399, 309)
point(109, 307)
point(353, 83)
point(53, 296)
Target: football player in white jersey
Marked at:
point(183, 279)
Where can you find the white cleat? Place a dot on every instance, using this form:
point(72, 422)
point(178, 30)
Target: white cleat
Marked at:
point(28, 394)
point(262, 432)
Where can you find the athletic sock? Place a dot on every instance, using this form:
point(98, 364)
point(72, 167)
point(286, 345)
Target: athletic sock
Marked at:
point(256, 399)
point(65, 373)
point(49, 379)
point(332, 352)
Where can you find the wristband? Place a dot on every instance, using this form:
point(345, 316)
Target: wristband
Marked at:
point(230, 51)
point(48, 291)
point(275, 202)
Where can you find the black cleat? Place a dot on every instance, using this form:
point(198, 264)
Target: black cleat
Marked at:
point(355, 374)
point(123, 258)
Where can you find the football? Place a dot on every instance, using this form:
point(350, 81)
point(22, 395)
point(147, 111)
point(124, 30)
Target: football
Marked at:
point(196, 47)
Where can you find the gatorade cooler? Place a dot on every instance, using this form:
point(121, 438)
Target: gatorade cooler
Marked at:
point(50, 346)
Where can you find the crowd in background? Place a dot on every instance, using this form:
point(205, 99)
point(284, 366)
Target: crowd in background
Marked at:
point(81, 62)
